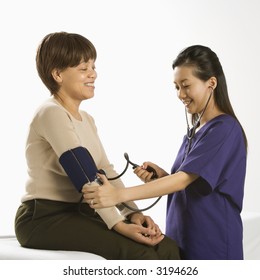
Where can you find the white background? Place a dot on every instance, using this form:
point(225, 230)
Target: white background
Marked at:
point(135, 104)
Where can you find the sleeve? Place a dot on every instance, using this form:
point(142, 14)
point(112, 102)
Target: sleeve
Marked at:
point(110, 215)
point(209, 156)
point(55, 125)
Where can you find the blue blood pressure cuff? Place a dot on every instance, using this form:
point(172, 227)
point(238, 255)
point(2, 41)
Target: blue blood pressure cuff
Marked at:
point(79, 166)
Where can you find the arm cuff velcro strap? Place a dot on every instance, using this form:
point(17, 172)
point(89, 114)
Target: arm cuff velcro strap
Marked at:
point(79, 166)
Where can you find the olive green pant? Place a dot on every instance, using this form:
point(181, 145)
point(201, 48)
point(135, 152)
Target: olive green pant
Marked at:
point(52, 225)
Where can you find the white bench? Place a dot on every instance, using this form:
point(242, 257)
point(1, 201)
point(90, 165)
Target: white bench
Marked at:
point(10, 249)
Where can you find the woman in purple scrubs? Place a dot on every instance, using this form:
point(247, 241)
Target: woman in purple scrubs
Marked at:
point(206, 185)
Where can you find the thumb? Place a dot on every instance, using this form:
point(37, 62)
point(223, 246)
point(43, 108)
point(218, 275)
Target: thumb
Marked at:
point(102, 178)
point(138, 222)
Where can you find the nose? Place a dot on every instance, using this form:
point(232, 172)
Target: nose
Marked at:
point(181, 93)
point(93, 74)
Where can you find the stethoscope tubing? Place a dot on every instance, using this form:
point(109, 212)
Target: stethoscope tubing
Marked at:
point(128, 161)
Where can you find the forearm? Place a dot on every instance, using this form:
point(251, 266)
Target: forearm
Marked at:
point(110, 216)
point(107, 195)
point(159, 187)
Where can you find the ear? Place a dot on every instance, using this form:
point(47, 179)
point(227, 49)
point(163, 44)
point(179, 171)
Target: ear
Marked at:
point(56, 75)
point(213, 82)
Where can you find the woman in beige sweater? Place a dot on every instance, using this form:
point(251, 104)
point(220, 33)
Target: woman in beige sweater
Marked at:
point(53, 214)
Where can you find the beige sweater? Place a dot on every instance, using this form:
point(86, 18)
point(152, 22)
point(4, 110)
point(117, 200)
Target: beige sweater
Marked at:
point(52, 132)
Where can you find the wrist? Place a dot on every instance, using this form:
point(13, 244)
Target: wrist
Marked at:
point(134, 214)
point(118, 226)
point(122, 195)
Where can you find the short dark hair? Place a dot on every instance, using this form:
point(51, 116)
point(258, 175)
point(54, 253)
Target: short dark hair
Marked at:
point(61, 50)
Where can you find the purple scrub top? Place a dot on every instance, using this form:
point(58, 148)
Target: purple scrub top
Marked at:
point(204, 218)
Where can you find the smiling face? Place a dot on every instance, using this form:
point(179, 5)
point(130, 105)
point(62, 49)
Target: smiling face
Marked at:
point(77, 83)
point(192, 91)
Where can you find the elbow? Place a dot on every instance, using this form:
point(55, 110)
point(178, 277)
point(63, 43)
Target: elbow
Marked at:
point(185, 179)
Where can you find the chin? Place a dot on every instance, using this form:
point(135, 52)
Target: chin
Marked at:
point(189, 111)
point(88, 96)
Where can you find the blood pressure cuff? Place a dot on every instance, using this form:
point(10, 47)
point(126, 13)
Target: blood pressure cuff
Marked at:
point(79, 166)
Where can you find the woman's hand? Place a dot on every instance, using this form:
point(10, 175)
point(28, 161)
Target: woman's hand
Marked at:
point(145, 175)
point(102, 196)
point(138, 233)
point(142, 220)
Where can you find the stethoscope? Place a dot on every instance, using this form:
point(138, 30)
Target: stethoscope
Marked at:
point(191, 131)
point(190, 135)
point(99, 181)
point(134, 165)
point(128, 161)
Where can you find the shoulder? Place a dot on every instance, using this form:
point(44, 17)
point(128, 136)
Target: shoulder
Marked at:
point(50, 114)
point(50, 106)
point(224, 122)
point(223, 119)
point(225, 128)
point(50, 110)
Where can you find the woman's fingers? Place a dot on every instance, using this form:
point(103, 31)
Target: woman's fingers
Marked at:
point(101, 196)
point(143, 174)
point(103, 179)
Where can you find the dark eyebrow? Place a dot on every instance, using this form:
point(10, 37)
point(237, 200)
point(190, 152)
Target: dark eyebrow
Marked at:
point(181, 81)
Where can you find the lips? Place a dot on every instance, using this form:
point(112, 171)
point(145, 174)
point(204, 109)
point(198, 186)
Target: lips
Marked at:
point(186, 102)
point(89, 84)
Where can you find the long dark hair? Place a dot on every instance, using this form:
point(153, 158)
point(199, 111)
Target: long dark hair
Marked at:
point(206, 65)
